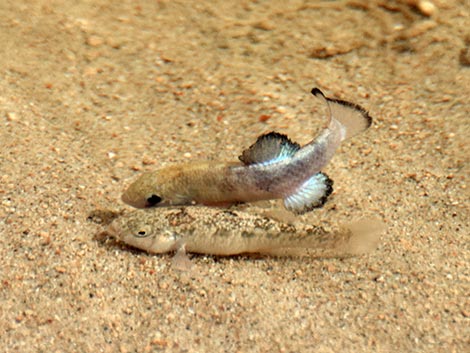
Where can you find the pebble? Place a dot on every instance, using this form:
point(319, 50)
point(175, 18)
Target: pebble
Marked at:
point(12, 116)
point(94, 41)
point(281, 109)
point(427, 8)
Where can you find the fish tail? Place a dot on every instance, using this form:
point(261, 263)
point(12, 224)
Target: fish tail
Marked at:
point(361, 237)
point(354, 239)
point(352, 118)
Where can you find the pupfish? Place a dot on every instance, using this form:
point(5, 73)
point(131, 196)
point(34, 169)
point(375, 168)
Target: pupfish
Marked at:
point(224, 232)
point(274, 167)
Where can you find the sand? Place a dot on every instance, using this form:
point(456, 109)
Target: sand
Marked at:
point(93, 93)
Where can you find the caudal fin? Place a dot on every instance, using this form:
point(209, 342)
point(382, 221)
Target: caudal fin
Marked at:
point(355, 239)
point(354, 118)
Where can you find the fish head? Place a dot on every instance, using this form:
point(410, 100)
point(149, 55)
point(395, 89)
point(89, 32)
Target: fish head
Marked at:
point(140, 229)
point(154, 189)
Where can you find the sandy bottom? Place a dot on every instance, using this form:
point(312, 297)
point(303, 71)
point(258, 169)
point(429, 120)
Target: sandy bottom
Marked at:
point(92, 93)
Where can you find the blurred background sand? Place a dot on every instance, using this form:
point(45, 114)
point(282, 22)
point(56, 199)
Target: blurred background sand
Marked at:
point(94, 92)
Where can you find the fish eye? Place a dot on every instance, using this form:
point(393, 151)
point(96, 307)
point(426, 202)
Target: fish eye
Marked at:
point(153, 200)
point(142, 232)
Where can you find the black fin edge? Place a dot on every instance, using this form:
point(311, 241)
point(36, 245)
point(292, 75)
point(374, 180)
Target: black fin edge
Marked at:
point(329, 190)
point(278, 136)
point(316, 92)
point(285, 140)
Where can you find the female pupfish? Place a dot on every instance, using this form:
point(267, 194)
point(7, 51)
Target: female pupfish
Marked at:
point(223, 232)
point(273, 167)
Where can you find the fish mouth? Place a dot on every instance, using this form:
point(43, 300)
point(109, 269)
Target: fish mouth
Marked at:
point(132, 202)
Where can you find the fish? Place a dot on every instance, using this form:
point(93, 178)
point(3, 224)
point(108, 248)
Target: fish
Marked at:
point(274, 167)
point(223, 232)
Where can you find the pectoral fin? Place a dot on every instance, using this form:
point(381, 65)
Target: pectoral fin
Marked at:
point(312, 194)
point(269, 148)
point(181, 260)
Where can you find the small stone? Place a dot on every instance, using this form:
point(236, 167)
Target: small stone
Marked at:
point(264, 117)
point(60, 269)
point(427, 8)
point(148, 161)
point(159, 342)
point(281, 109)
point(12, 116)
point(95, 41)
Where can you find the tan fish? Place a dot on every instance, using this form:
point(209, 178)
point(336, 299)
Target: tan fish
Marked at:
point(223, 232)
point(272, 168)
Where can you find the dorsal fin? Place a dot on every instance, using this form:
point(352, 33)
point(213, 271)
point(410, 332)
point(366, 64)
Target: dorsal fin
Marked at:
point(269, 147)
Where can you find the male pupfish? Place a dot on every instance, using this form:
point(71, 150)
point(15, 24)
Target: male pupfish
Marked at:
point(273, 167)
point(224, 232)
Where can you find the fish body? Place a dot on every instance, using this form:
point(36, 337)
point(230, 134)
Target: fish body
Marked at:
point(222, 232)
point(274, 167)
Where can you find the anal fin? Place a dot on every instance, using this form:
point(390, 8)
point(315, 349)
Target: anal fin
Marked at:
point(312, 194)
